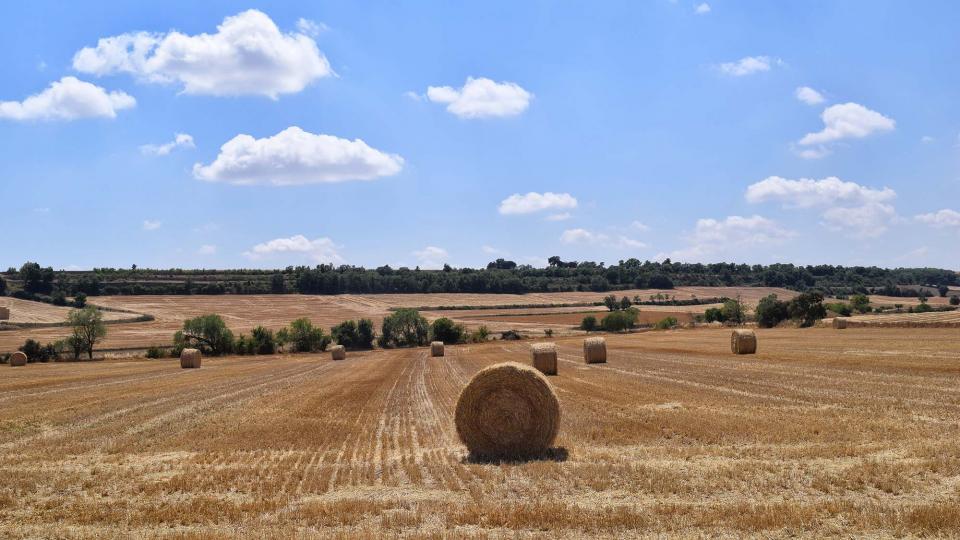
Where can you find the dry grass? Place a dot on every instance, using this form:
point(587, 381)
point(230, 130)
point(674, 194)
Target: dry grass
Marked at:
point(26, 311)
point(821, 433)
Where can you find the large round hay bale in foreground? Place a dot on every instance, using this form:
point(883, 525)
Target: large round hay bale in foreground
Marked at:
point(544, 357)
point(338, 352)
point(507, 411)
point(190, 358)
point(436, 348)
point(839, 323)
point(595, 350)
point(18, 359)
point(4, 313)
point(743, 342)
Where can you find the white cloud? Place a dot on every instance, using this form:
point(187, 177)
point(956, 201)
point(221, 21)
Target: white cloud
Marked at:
point(563, 216)
point(746, 66)
point(859, 210)
point(848, 121)
point(490, 250)
point(431, 257)
point(247, 55)
point(410, 94)
point(151, 225)
point(733, 236)
point(536, 202)
point(640, 226)
point(294, 157)
point(806, 193)
point(816, 152)
point(68, 99)
point(311, 28)
point(207, 249)
point(482, 97)
point(627, 242)
point(940, 218)
point(180, 140)
point(583, 236)
point(321, 250)
point(809, 95)
point(926, 139)
point(702, 9)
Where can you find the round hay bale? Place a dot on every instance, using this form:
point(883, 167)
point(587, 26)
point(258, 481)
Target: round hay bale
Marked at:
point(595, 350)
point(338, 352)
point(190, 358)
point(507, 410)
point(839, 323)
point(18, 359)
point(436, 348)
point(544, 357)
point(4, 313)
point(743, 342)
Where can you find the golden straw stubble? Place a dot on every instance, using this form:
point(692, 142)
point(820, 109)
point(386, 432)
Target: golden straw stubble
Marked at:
point(509, 411)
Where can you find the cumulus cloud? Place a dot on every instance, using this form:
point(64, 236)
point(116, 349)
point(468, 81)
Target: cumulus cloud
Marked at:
point(941, 218)
point(859, 210)
point(702, 9)
point(247, 55)
point(927, 139)
point(151, 225)
point(733, 236)
point(536, 202)
point(809, 95)
point(431, 257)
point(747, 66)
point(583, 236)
point(482, 97)
point(207, 249)
point(640, 226)
point(68, 99)
point(848, 121)
point(180, 140)
point(295, 157)
point(320, 250)
point(311, 28)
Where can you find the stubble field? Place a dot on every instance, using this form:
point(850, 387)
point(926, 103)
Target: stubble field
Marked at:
point(822, 433)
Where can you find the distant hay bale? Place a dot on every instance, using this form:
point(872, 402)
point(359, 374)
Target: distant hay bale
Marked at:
point(839, 323)
point(595, 350)
point(544, 357)
point(436, 348)
point(338, 352)
point(189, 359)
point(743, 342)
point(507, 410)
point(4, 313)
point(18, 359)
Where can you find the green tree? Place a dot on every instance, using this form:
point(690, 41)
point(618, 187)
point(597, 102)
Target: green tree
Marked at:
point(807, 308)
point(277, 286)
point(447, 331)
point(80, 299)
point(208, 333)
point(860, 303)
point(943, 290)
point(88, 327)
point(404, 328)
point(282, 338)
point(36, 279)
point(771, 311)
point(618, 321)
point(611, 302)
point(365, 334)
point(714, 315)
point(3, 287)
point(589, 323)
point(305, 337)
point(262, 341)
point(955, 300)
point(666, 323)
point(624, 303)
point(733, 311)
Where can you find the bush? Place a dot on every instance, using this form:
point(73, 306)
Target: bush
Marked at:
point(807, 308)
point(923, 308)
point(41, 353)
point(510, 335)
point(154, 352)
point(955, 300)
point(733, 311)
point(58, 298)
point(666, 323)
point(714, 315)
point(860, 303)
point(943, 290)
point(262, 341)
point(208, 333)
point(548, 332)
point(659, 281)
point(618, 321)
point(480, 335)
point(365, 334)
point(445, 330)
point(771, 312)
point(840, 309)
point(404, 328)
point(589, 323)
point(307, 338)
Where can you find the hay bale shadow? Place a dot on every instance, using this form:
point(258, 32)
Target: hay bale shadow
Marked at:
point(558, 454)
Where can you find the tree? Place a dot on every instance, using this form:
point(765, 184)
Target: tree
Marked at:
point(282, 338)
point(345, 334)
point(589, 323)
point(365, 334)
point(733, 311)
point(277, 286)
point(445, 330)
point(660, 281)
point(3, 287)
point(619, 321)
point(624, 303)
point(88, 328)
point(714, 315)
point(404, 328)
point(807, 308)
point(611, 302)
point(80, 300)
point(307, 338)
point(262, 341)
point(860, 303)
point(208, 333)
point(955, 300)
point(36, 279)
point(770, 311)
point(943, 290)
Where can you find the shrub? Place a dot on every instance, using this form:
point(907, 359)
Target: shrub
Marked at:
point(860, 303)
point(618, 321)
point(733, 311)
point(807, 308)
point(404, 328)
point(659, 281)
point(365, 333)
point(713, 315)
point(510, 335)
point(480, 335)
point(262, 341)
point(154, 352)
point(58, 298)
point(548, 332)
point(955, 300)
point(666, 323)
point(840, 309)
point(208, 333)
point(611, 302)
point(41, 353)
point(589, 323)
point(445, 330)
point(943, 290)
point(923, 308)
point(771, 312)
point(307, 338)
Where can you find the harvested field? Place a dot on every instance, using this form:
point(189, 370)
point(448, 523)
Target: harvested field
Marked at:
point(906, 301)
point(946, 319)
point(28, 312)
point(574, 319)
point(822, 433)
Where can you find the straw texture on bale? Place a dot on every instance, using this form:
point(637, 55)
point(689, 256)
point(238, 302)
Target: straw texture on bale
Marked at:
point(743, 342)
point(436, 348)
point(544, 357)
point(338, 352)
point(507, 410)
point(839, 323)
point(595, 350)
point(4, 313)
point(18, 359)
point(190, 358)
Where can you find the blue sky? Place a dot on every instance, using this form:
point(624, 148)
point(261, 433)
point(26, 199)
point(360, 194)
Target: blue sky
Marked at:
point(409, 133)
